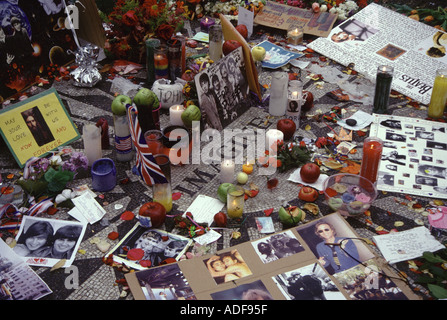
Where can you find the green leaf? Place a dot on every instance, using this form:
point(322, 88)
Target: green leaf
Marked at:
point(33, 187)
point(57, 180)
point(437, 291)
point(431, 257)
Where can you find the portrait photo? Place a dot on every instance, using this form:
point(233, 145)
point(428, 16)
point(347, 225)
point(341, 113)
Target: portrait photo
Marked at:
point(37, 126)
point(227, 266)
point(277, 246)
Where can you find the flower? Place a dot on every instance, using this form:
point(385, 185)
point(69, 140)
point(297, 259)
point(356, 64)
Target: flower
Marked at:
point(130, 19)
point(165, 32)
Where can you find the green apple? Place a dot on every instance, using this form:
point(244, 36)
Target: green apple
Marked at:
point(258, 53)
point(223, 190)
point(146, 97)
point(242, 178)
point(291, 216)
point(191, 113)
point(119, 104)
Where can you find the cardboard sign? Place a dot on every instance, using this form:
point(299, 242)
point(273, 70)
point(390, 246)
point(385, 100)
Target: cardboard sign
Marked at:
point(36, 126)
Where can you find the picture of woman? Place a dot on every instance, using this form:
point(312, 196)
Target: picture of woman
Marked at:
point(34, 239)
point(227, 266)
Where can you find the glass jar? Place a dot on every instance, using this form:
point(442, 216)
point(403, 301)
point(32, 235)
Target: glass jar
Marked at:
point(383, 89)
point(162, 194)
point(151, 45)
point(161, 62)
point(235, 202)
point(438, 98)
point(154, 141)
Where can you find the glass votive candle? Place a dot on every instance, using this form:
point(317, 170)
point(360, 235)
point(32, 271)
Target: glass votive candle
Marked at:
point(295, 35)
point(235, 202)
point(154, 141)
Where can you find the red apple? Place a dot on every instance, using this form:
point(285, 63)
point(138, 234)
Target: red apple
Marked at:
point(155, 211)
point(242, 29)
point(310, 172)
point(309, 101)
point(308, 194)
point(220, 219)
point(287, 127)
point(230, 45)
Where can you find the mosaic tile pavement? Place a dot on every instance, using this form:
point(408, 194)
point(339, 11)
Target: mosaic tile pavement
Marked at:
point(97, 281)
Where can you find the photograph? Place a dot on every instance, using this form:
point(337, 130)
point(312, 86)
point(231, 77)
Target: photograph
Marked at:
point(250, 291)
point(165, 283)
point(222, 89)
point(367, 282)
point(334, 245)
point(227, 266)
point(308, 283)
point(391, 52)
point(37, 126)
point(352, 29)
point(143, 247)
point(43, 242)
point(277, 246)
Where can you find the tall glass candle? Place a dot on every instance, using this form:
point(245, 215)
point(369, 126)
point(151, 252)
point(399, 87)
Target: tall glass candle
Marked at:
point(227, 171)
point(438, 98)
point(278, 94)
point(154, 141)
point(151, 45)
point(293, 111)
point(215, 47)
point(175, 58)
point(372, 153)
point(235, 202)
point(161, 63)
point(383, 88)
point(162, 193)
point(123, 141)
point(91, 136)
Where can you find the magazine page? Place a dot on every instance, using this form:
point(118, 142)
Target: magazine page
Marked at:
point(379, 36)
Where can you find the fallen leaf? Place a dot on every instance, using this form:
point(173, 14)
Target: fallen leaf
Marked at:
point(58, 264)
point(268, 212)
point(127, 215)
point(176, 195)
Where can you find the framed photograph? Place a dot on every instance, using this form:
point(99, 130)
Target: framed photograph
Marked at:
point(227, 266)
point(223, 89)
point(165, 283)
point(37, 126)
point(277, 246)
point(44, 242)
point(142, 247)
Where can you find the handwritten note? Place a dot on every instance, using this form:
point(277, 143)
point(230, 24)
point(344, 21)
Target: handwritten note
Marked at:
point(204, 208)
point(87, 209)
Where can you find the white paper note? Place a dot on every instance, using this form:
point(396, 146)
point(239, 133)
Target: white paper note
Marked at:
point(90, 209)
point(204, 208)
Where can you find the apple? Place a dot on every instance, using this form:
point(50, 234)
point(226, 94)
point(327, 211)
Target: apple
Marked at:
point(242, 178)
point(258, 53)
point(146, 97)
point(230, 45)
point(242, 29)
point(308, 194)
point(223, 190)
point(310, 172)
point(220, 219)
point(308, 101)
point(287, 127)
point(119, 104)
point(290, 216)
point(191, 113)
point(155, 211)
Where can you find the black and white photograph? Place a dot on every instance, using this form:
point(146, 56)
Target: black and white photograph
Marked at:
point(17, 280)
point(165, 283)
point(222, 89)
point(352, 30)
point(227, 266)
point(142, 247)
point(255, 290)
point(277, 246)
point(43, 242)
point(308, 283)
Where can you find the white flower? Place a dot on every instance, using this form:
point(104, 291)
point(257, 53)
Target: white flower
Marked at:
point(323, 8)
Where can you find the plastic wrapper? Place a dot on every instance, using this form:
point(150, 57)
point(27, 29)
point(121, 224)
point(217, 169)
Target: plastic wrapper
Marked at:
point(87, 73)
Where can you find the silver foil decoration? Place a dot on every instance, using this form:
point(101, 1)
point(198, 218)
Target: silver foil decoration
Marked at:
point(86, 74)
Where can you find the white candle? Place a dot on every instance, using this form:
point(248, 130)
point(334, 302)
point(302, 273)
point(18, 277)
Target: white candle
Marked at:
point(271, 137)
point(175, 115)
point(91, 136)
point(227, 171)
point(295, 36)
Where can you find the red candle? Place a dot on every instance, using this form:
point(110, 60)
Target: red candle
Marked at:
point(372, 153)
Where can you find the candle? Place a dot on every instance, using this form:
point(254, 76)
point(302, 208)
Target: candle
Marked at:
point(247, 168)
point(175, 58)
point(439, 95)
point(271, 137)
point(206, 23)
point(151, 44)
point(372, 153)
point(295, 36)
point(227, 171)
point(293, 111)
point(383, 88)
point(91, 136)
point(278, 94)
point(154, 141)
point(175, 115)
point(235, 202)
point(162, 194)
point(103, 175)
point(161, 63)
point(215, 48)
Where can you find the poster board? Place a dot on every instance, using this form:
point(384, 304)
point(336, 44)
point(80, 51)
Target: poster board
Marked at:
point(36, 126)
point(273, 277)
point(414, 155)
point(282, 16)
point(379, 36)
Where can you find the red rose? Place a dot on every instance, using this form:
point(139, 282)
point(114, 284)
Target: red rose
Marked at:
point(130, 19)
point(165, 32)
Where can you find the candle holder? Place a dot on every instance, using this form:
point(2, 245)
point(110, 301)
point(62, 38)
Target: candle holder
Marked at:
point(438, 98)
point(154, 141)
point(372, 154)
point(162, 193)
point(215, 48)
point(295, 35)
point(103, 175)
point(177, 143)
point(206, 23)
point(383, 88)
point(293, 111)
point(161, 62)
point(235, 202)
point(151, 45)
point(123, 140)
point(174, 58)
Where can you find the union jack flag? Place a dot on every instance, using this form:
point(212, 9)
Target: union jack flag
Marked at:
point(148, 169)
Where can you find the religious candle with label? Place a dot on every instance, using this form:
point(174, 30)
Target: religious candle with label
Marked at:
point(372, 153)
point(383, 88)
point(161, 62)
point(438, 98)
point(227, 171)
point(294, 107)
